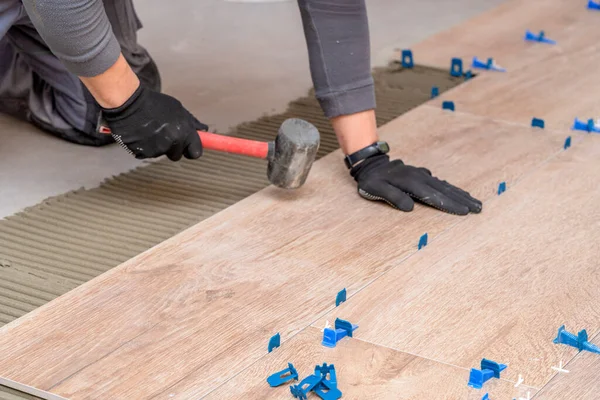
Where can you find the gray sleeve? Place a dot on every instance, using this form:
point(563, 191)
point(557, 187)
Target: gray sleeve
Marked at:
point(337, 36)
point(78, 33)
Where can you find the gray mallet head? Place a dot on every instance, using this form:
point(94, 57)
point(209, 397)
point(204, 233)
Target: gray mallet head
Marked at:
point(293, 153)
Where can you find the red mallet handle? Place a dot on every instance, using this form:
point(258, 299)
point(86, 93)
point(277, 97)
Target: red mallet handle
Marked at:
point(228, 144)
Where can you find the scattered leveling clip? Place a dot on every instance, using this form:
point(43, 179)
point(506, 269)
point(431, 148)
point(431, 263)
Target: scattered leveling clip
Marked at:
point(579, 342)
point(341, 330)
point(588, 126)
point(489, 65)
point(323, 383)
point(283, 376)
point(489, 369)
point(567, 143)
point(541, 37)
point(592, 5)
point(435, 91)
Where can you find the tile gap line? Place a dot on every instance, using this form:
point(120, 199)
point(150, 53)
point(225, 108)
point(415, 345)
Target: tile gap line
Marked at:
point(557, 374)
point(428, 358)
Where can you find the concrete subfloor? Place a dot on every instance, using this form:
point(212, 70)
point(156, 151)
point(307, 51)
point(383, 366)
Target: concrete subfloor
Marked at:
point(227, 61)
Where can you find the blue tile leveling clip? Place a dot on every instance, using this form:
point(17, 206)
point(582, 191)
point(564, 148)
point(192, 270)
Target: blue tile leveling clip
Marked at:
point(592, 5)
point(341, 297)
point(422, 241)
point(538, 123)
point(501, 188)
point(567, 143)
point(448, 105)
point(456, 67)
point(588, 126)
point(579, 342)
point(341, 330)
point(435, 92)
point(274, 342)
point(541, 37)
point(489, 65)
point(283, 376)
point(407, 59)
point(323, 383)
point(489, 369)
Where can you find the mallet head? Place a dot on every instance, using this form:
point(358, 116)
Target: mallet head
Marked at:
point(293, 153)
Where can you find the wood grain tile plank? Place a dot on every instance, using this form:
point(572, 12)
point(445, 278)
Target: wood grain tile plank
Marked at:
point(557, 90)
point(581, 383)
point(499, 33)
point(499, 289)
point(201, 306)
point(364, 371)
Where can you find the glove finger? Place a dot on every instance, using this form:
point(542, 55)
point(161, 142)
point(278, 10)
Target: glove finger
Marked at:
point(193, 148)
point(457, 194)
point(383, 191)
point(426, 194)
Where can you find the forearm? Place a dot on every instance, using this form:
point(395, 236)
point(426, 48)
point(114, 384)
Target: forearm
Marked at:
point(114, 86)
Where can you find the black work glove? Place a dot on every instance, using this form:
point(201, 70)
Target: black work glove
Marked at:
point(397, 184)
point(151, 124)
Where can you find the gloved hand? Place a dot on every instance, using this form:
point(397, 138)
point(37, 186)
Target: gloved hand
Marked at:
point(397, 184)
point(151, 124)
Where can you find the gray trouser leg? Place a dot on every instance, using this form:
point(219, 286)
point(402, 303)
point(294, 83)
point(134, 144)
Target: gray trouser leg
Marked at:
point(337, 37)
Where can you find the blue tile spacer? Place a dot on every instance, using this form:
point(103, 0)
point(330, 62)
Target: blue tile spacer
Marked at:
point(456, 67)
point(489, 369)
point(468, 75)
point(538, 123)
point(407, 59)
point(422, 241)
point(435, 92)
point(283, 376)
point(489, 65)
point(541, 37)
point(589, 126)
point(567, 143)
point(486, 397)
point(448, 105)
point(592, 5)
point(580, 341)
point(301, 390)
point(501, 188)
point(327, 391)
point(341, 297)
point(341, 330)
point(274, 342)
point(327, 372)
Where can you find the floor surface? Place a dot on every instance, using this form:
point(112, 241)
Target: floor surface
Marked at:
point(217, 57)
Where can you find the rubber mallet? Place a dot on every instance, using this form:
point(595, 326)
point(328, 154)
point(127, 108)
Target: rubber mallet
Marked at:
point(290, 155)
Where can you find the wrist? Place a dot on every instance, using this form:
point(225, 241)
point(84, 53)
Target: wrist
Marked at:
point(115, 86)
point(355, 131)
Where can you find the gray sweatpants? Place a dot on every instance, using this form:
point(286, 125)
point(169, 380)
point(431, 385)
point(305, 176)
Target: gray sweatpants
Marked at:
point(35, 84)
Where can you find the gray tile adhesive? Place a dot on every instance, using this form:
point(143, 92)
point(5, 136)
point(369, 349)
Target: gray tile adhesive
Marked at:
point(55, 246)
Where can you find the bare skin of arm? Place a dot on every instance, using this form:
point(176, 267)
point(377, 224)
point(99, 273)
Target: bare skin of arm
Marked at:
point(113, 87)
point(355, 131)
